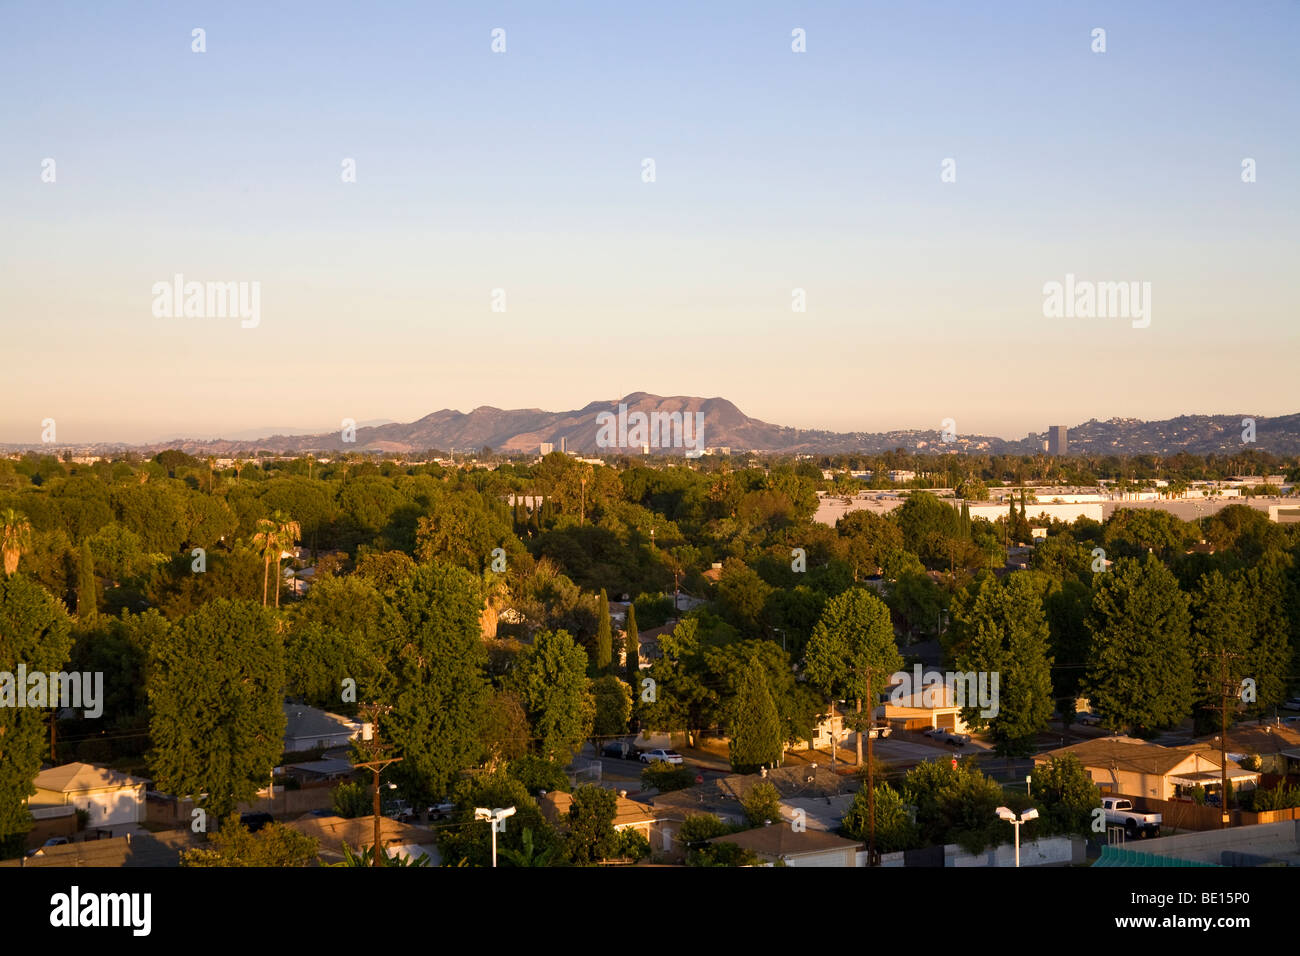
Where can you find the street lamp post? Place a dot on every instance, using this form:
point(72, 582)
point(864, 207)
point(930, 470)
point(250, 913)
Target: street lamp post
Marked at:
point(496, 817)
point(1005, 813)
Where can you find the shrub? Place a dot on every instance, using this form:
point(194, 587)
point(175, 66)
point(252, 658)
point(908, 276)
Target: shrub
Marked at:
point(351, 800)
point(664, 776)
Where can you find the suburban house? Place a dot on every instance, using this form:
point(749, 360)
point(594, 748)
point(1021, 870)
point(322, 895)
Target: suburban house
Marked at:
point(934, 706)
point(139, 849)
point(723, 798)
point(648, 642)
point(1276, 745)
point(309, 728)
point(628, 815)
point(822, 733)
point(313, 771)
point(1136, 768)
point(777, 842)
point(399, 839)
point(111, 798)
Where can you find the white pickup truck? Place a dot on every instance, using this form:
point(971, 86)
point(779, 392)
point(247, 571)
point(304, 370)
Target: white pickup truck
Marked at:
point(1120, 813)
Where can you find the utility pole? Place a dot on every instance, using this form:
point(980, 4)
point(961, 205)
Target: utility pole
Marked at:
point(372, 747)
point(1227, 688)
point(873, 858)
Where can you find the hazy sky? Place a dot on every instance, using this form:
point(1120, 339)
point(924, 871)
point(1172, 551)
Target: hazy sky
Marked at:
point(522, 171)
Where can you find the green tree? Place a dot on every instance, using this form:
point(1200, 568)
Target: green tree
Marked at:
point(591, 836)
point(665, 777)
point(852, 652)
point(955, 805)
point(1139, 672)
point(529, 853)
point(754, 727)
point(469, 841)
point(894, 828)
point(1220, 643)
point(1064, 791)
point(551, 681)
point(352, 800)
point(538, 774)
point(15, 538)
point(1005, 633)
point(35, 633)
point(683, 698)
point(632, 647)
point(274, 845)
point(216, 687)
point(762, 804)
point(437, 689)
point(613, 700)
point(87, 590)
point(604, 639)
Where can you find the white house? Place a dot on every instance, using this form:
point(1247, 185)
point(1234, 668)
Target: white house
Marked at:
point(111, 798)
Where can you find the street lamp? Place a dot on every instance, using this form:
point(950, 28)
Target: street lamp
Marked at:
point(1005, 813)
point(496, 817)
point(1029, 779)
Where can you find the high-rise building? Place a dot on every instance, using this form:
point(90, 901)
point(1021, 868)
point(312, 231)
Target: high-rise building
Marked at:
point(564, 444)
point(547, 448)
point(1057, 440)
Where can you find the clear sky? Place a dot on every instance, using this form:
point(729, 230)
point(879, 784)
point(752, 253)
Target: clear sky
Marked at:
point(522, 171)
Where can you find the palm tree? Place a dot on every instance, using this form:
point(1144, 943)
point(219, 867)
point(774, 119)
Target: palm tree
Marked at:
point(287, 533)
point(264, 540)
point(274, 535)
point(15, 538)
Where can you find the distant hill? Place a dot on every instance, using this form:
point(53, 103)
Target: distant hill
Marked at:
point(725, 425)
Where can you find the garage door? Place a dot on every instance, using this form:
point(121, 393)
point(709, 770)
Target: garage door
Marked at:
point(111, 809)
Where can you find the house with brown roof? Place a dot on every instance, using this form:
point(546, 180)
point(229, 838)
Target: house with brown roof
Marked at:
point(1276, 745)
point(799, 787)
point(1137, 768)
point(628, 814)
point(777, 842)
point(357, 832)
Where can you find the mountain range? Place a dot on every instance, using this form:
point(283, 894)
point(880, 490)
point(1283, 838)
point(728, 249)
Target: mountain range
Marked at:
point(724, 425)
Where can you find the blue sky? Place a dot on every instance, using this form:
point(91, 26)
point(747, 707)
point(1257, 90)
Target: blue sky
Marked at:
point(522, 171)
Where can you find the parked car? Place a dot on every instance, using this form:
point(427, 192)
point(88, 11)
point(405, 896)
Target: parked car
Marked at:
point(957, 740)
point(1087, 719)
point(1291, 703)
point(880, 730)
point(52, 841)
point(931, 731)
point(255, 821)
point(667, 756)
point(1121, 813)
point(621, 749)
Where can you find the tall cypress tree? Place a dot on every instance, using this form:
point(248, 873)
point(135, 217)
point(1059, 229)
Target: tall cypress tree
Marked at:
point(87, 599)
point(755, 725)
point(604, 637)
point(632, 644)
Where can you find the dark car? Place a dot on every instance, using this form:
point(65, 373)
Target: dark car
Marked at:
point(620, 749)
point(255, 821)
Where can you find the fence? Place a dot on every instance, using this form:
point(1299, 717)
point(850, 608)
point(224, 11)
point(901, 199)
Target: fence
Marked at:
point(1187, 815)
